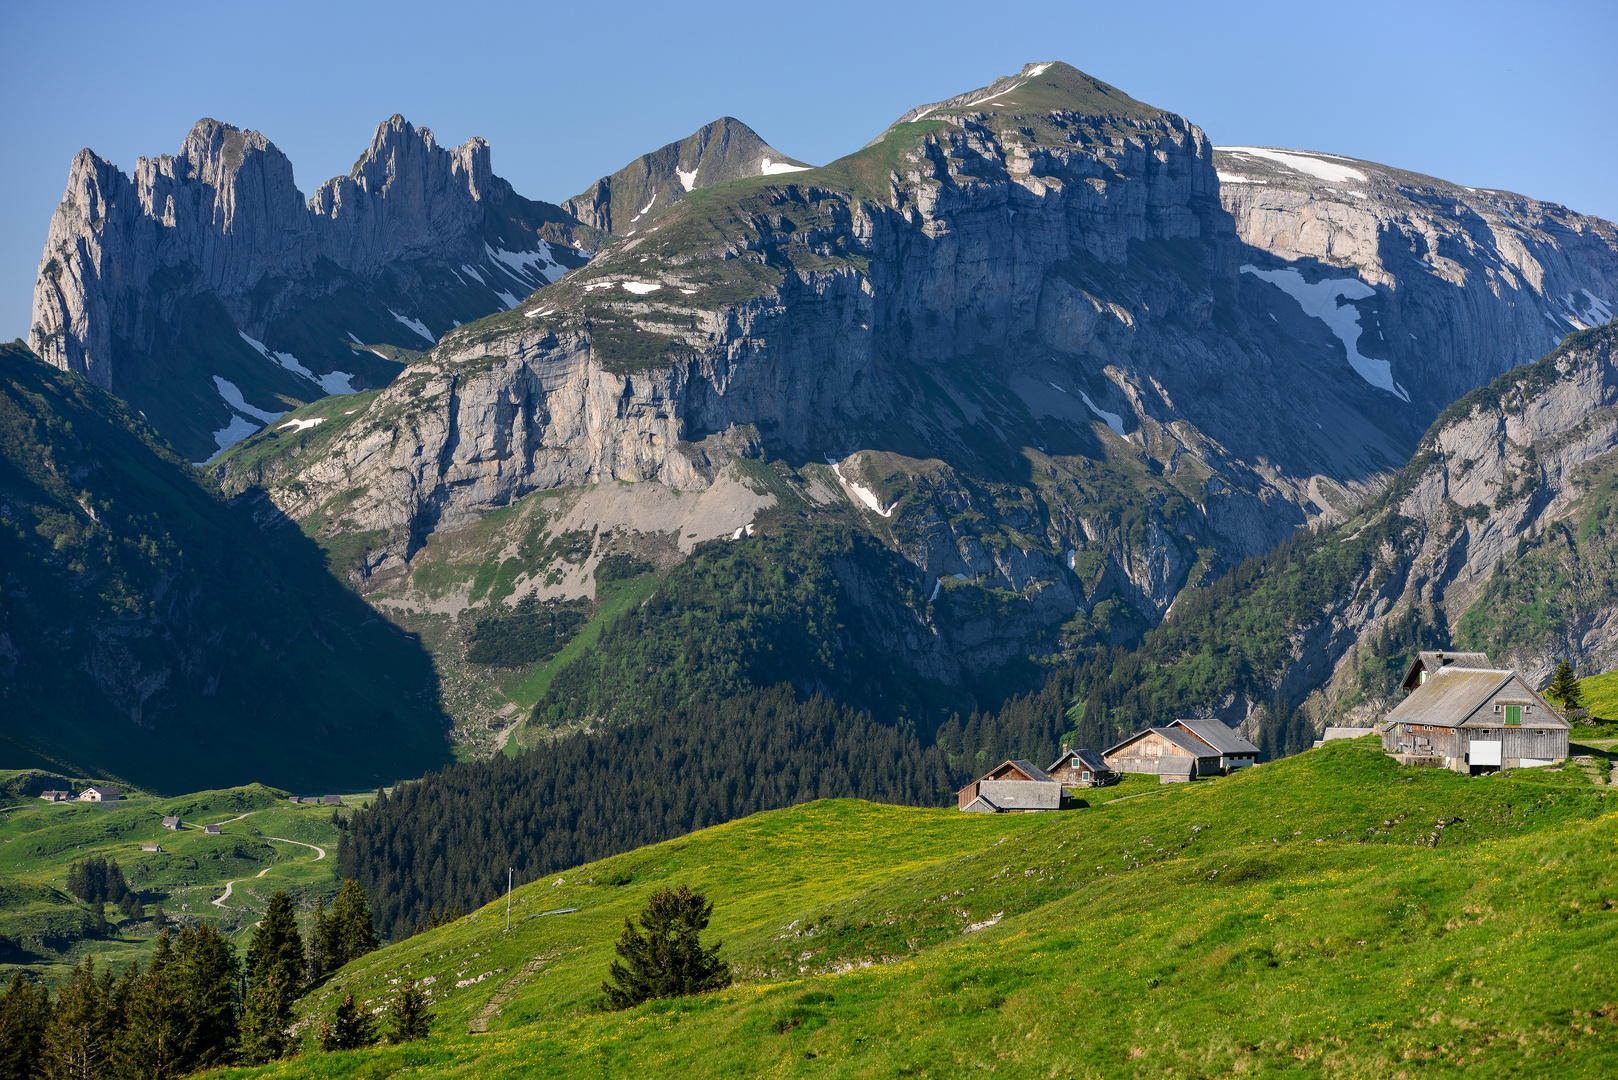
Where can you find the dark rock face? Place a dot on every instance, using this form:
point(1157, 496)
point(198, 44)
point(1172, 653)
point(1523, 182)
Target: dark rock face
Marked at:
point(152, 285)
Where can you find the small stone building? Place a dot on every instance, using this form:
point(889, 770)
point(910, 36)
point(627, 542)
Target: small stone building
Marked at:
point(1012, 787)
point(1461, 713)
point(56, 796)
point(331, 800)
point(100, 794)
point(1081, 767)
point(151, 847)
point(212, 830)
point(171, 823)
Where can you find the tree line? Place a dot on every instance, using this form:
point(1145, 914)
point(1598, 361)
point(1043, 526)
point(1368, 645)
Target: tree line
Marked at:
point(197, 1004)
point(445, 842)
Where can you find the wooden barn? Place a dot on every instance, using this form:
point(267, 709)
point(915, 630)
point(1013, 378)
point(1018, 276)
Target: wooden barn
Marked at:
point(1012, 787)
point(1081, 768)
point(1234, 752)
point(96, 793)
point(1464, 714)
point(1157, 749)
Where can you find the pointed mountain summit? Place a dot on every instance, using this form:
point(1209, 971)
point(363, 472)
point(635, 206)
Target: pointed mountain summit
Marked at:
point(637, 194)
point(209, 294)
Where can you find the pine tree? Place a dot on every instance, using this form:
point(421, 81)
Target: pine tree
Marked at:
point(322, 943)
point(409, 1018)
point(665, 957)
point(266, 1015)
point(150, 1044)
point(276, 944)
point(1564, 688)
point(208, 970)
point(352, 915)
point(348, 1028)
point(78, 1041)
point(24, 1015)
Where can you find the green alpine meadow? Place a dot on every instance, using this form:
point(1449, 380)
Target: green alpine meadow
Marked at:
point(1016, 582)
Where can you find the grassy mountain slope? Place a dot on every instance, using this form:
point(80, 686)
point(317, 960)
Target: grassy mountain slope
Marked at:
point(153, 634)
point(44, 930)
point(1332, 914)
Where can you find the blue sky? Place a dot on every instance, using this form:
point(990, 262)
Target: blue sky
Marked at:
point(1485, 94)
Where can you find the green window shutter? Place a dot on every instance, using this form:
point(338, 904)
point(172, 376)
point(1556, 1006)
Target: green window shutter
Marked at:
point(1513, 715)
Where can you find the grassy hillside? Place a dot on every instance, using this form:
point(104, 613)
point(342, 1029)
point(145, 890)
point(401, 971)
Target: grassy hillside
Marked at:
point(1328, 915)
point(265, 844)
point(153, 634)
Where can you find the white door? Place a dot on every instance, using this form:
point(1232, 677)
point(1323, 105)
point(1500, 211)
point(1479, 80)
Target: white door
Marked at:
point(1484, 753)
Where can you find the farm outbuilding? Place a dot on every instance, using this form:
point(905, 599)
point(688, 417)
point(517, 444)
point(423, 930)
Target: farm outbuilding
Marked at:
point(100, 794)
point(1471, 717)
point(171, 823)
point(1082, 767)
point(1012, 787)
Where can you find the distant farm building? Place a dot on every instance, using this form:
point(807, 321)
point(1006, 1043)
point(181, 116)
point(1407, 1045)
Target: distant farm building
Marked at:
point(312, 800)
point(1012, 787)
point(151, 847)
point(171, 823)
point(56, 796)
point(1183, 749)
point(1462, 713)
point(1081, 768)
point(100, 794)
point(212, 830)
point(332, 800)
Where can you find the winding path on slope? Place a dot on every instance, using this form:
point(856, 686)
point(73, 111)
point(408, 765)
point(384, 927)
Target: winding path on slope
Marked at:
point(320, 853)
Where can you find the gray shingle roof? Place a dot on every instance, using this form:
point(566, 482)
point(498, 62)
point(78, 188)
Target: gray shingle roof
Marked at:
point(1033, 772)
point(1437, 660)
point(1451, 695)
point(1218, 735)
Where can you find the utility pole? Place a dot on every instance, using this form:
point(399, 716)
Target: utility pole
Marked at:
point(509, 872)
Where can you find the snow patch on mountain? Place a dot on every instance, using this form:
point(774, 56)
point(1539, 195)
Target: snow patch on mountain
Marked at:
point(1321, 300)
point(770, 168)
point(1304, 163)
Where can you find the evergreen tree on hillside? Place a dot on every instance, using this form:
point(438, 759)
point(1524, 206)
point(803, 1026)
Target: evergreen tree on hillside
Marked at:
point(209, 974)
point(322, 944)
point(84, 1025)
point(409, 1018)
point(151, 1043)
point(1564, 688)
point(352, 915)
point(276, 946)
point(348, 1028)
point(25, 1013)
point(266, 1016)
point(664, 957)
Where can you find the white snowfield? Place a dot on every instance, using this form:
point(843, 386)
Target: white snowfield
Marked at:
point(541, 263)
point(1113, 420)
point(770, 168)
point(688, 180)
point(640, 288)
point(302, 425)
point(1232, 178)
point(861, 493)
point(1304, 163)
point(233, 397)
point(415, 324)
point(1321, 300)
point(336, 382)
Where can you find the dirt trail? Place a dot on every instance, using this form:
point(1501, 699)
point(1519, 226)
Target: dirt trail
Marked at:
point(320, 853)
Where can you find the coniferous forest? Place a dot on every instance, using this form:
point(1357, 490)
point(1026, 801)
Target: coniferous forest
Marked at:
point(446, 841)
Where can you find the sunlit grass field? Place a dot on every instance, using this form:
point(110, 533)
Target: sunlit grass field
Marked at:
point(1332, 914)
point(260, 848)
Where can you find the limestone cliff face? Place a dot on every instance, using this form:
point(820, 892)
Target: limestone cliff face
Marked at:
point(1047, 353)
point(1506, 545)
point(1467, 282)
point(148, 281)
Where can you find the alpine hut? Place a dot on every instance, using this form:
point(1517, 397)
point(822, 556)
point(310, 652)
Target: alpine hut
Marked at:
point(1462, 713)
point(1012, 787)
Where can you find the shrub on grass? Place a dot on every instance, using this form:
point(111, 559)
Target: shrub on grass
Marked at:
point(664, 957)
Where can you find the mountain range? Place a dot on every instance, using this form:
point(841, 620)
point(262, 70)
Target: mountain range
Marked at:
point(1000, 386)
